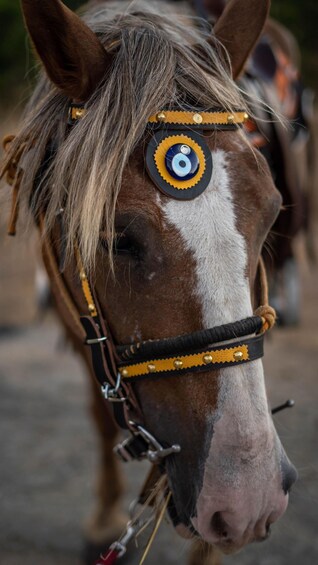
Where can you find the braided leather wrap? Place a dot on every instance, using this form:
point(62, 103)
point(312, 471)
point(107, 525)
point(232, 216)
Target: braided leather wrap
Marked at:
point(190, 342)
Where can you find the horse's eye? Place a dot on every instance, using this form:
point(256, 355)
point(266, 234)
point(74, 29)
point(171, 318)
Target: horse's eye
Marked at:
point(124, 244)
point(182, 162)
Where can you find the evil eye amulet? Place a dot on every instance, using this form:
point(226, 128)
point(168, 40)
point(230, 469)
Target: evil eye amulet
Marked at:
point(182, 162)
point(179, 162)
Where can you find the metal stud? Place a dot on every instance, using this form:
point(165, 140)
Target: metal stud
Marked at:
point(161, 117)
point(207, 359)
point(83, 276)
point(246, 116)
point(79, 113)
point(231, 119)
point(124, 373)
point(178, 364)
point(238, 355)
point(197, 118)
point(91, 307)
point(151, 368)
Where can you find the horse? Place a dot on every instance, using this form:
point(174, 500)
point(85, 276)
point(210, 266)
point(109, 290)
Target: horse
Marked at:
point(274, 73)
point(153, 208)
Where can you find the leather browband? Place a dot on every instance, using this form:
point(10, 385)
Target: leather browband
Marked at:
point(180, 117)
point(203, 120)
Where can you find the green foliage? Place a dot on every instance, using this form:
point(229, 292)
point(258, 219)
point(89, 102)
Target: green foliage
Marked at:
point(16, 59)
point(301, 17)
point(12, 47)
point(17, 64)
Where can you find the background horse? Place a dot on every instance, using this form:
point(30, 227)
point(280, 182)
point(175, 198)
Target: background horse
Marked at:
point(160, 267)
point(273, 75)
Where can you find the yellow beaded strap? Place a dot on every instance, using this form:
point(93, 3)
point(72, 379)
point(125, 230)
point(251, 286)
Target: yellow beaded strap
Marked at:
point(85, 284)
point(209, 358)
point(178, 117)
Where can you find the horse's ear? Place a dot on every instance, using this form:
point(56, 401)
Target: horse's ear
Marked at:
point(214, 7)
point(72, 55)
point(239, 28)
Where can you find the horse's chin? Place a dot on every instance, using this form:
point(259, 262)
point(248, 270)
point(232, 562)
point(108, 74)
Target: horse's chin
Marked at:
point(184, 532)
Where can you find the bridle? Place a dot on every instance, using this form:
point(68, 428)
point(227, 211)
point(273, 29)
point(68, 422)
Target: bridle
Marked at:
point(117, 367)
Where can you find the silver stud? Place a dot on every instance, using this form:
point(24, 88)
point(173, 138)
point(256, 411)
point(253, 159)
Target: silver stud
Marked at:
point(197, 118)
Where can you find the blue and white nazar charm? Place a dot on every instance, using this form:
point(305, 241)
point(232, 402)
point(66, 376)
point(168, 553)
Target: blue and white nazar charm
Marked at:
point(182, 162)
point(179, 163)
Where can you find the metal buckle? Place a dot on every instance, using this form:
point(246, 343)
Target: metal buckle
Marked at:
point(135, 526)
point(112, 393)
point(96, 340)
point(121, 546)
point(153, 450)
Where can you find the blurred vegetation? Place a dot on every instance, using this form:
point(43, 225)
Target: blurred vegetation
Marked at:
point(301, 17)
point(17, 63)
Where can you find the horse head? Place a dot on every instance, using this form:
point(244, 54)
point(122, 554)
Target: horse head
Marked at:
point(164, 266)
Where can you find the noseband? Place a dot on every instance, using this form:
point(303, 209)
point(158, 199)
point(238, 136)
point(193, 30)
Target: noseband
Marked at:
point(117, 367)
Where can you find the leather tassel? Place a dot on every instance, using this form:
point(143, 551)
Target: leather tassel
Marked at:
point(13, 176)
point(14, 214)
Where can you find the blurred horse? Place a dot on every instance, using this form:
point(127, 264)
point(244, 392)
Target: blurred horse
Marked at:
point(273, 76)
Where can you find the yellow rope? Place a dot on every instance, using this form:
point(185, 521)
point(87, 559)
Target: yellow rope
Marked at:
point(265, 311)
point(154, 533)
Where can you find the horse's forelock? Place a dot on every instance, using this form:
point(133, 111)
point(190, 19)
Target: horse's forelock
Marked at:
point(154, 66)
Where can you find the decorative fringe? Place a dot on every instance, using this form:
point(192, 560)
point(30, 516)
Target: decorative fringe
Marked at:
point(154, 496)
point(13, 175)
point(156, 528)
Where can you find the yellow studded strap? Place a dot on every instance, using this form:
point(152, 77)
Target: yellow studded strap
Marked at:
point(85, 284)
point(208, 358)
point(179, 117)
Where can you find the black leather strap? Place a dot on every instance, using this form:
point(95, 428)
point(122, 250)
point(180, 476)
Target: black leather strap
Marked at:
point(189, 343)
point(102, 362)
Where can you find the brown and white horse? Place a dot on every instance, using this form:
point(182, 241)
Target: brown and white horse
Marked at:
point(176, 266)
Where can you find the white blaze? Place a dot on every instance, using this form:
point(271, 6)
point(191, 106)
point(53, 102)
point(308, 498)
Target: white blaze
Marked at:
point(208, 228)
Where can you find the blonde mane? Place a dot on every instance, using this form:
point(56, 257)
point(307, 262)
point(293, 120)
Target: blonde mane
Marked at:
point(161, 60)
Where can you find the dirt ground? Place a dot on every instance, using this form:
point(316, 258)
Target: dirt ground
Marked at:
point(48, 448)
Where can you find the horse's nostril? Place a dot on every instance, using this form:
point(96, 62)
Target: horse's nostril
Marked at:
point(218, 525)
point(290, 476)
point(268, 529)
